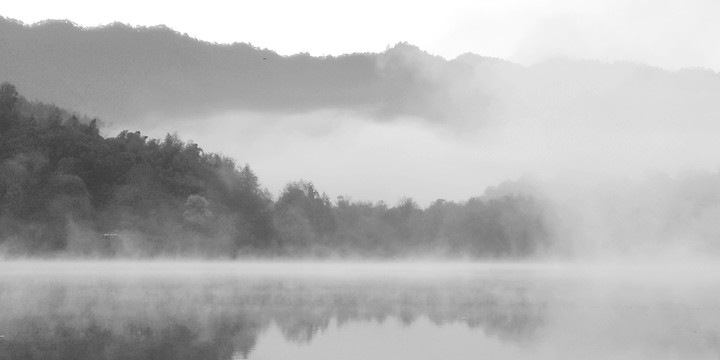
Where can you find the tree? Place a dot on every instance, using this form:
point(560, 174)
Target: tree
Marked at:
point(197, 210)
point(8, 101)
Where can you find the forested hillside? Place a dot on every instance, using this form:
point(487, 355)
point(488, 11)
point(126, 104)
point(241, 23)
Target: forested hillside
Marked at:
point(65, 189)
point(127, 75)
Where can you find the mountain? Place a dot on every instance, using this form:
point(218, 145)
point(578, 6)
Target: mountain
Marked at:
point(127, 72)
point(123, 74)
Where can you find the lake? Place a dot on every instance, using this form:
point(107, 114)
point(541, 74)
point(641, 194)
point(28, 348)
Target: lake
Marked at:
point(273, 310)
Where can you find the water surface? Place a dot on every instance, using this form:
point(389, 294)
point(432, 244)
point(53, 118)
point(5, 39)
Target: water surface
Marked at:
point(199, 310)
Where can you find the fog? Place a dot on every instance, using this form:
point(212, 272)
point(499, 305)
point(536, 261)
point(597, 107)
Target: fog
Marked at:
point(470, 123)
point(227, 310)
point(622, 154)
point(353, 155)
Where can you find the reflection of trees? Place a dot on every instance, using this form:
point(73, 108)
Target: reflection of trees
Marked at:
point(175, 341)
point(220, 320)
point(302, 329)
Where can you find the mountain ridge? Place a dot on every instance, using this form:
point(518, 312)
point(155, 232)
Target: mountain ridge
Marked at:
point(122, 74)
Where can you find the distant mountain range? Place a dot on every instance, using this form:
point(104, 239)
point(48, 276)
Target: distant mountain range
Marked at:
point(123, 74)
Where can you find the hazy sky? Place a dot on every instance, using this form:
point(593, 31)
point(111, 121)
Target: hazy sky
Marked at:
point(666, 33)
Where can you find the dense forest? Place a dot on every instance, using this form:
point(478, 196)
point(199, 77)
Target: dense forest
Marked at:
point(66, 189)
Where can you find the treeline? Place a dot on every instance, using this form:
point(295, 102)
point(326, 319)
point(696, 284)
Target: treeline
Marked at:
point(64, 188)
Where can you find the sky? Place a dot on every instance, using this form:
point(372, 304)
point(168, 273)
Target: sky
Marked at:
point(665, 33)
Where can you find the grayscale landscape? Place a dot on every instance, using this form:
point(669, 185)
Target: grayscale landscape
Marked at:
point(506, 180)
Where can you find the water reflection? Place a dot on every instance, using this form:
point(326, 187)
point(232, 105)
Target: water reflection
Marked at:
point(221, 316)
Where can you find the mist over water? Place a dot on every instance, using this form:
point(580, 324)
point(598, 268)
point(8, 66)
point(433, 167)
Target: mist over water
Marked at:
point(206, 310)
